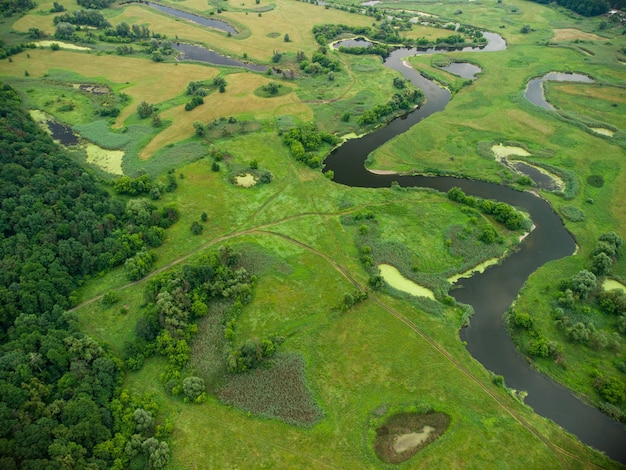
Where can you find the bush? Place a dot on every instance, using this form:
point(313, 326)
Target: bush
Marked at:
point(572, 213)
point(193, 388)
point(139, 265)
point(611, 390)
point(196, 228)
point(195, 102)
point(110, 298)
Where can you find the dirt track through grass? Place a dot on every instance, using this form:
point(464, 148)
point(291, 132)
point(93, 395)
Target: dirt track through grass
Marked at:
point(557, 451)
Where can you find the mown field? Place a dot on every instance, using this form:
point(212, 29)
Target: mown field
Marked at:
point(387, 350)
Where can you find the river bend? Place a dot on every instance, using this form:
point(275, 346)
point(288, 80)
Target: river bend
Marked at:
point(492, 292)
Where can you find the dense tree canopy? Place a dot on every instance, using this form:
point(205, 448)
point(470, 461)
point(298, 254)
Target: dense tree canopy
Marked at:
point(583, 7)
point(59, 389)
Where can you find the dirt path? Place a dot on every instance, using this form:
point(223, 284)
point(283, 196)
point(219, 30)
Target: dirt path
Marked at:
point(558, 452)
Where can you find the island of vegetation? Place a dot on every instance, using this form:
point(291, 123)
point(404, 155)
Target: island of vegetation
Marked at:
point(184, 285)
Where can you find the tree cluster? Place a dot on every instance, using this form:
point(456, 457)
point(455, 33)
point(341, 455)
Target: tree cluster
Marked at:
point(95, 4)
point(83, 18)
point(124, 32)
point(11, 7)
point(57, 224)
point(403, 100)
point(583, 7)
point(502, 212)
point(304, 141)
point(175, 300)
point(320, 63)
point(7, 51)
point(586, 315)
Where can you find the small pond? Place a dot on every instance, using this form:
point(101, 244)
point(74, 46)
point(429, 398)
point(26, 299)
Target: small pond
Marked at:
point(534, 90)
point(201, 20)
point(463, 69)
point(356, 42)
point(395, 279)
point(63, 133)
point(191, 52)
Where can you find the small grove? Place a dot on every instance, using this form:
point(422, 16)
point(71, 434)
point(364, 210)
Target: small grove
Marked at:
point(176, 300)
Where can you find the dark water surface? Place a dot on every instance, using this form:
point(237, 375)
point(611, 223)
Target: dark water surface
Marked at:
point(463, 69)
point(492, 292)
point(201, 20)
point(534, 89)
point(201, 54)
point(63, 133)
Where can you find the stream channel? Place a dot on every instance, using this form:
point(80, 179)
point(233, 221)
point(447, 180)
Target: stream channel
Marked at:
point(492, 292)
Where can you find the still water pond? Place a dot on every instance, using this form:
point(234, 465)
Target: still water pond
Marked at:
point(534, 90)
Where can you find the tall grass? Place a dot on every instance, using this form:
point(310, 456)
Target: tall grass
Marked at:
point(279, 391)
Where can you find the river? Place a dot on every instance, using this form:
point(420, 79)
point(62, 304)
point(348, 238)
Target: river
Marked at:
point(492, 292)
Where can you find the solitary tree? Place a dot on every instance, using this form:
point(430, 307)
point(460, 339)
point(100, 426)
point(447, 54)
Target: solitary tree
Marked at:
point(145, 109)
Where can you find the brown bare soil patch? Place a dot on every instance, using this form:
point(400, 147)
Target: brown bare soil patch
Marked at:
point(571, 34)
point(404, 434)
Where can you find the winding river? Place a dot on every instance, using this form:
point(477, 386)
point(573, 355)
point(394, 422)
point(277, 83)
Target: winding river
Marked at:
point(492, 292)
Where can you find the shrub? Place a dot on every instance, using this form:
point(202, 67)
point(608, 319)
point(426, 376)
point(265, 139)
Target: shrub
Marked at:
point(611, 390)
point(572, 213)
point(196, 228)
point(193, 388)
point(110, 298)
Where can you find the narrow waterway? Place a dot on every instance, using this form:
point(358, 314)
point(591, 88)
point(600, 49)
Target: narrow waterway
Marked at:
point(491, 292)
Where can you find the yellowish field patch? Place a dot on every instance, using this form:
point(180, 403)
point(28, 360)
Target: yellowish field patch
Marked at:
point(603, 131)
point(43, 22)
point(245, 181)
point(571, 34)
point(289, 17)
point(40, 118)
point(239, 98)
point(610, 284)
point(62, 45)
point(428, 32)
point(202, 6)
point(395, 279)
point(602, 92)
point(146, 79)
point(170, 25)
point(411, 440)
point(107, 160)
point(479, 268)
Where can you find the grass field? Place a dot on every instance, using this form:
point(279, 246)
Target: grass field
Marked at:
point(387, 351)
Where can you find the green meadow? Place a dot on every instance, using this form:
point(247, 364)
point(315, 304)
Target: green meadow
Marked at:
point(313, 245)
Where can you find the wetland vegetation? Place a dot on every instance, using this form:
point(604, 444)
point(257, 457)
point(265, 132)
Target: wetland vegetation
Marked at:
point(266, 335)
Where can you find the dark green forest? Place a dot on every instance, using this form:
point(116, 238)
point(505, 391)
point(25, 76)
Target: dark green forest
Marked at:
point(588, 7)
point(62, 405)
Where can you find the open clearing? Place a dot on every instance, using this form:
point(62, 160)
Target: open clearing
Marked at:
point(571, 34)
point(411, 440)
point(62, 45)
point(238, 98)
